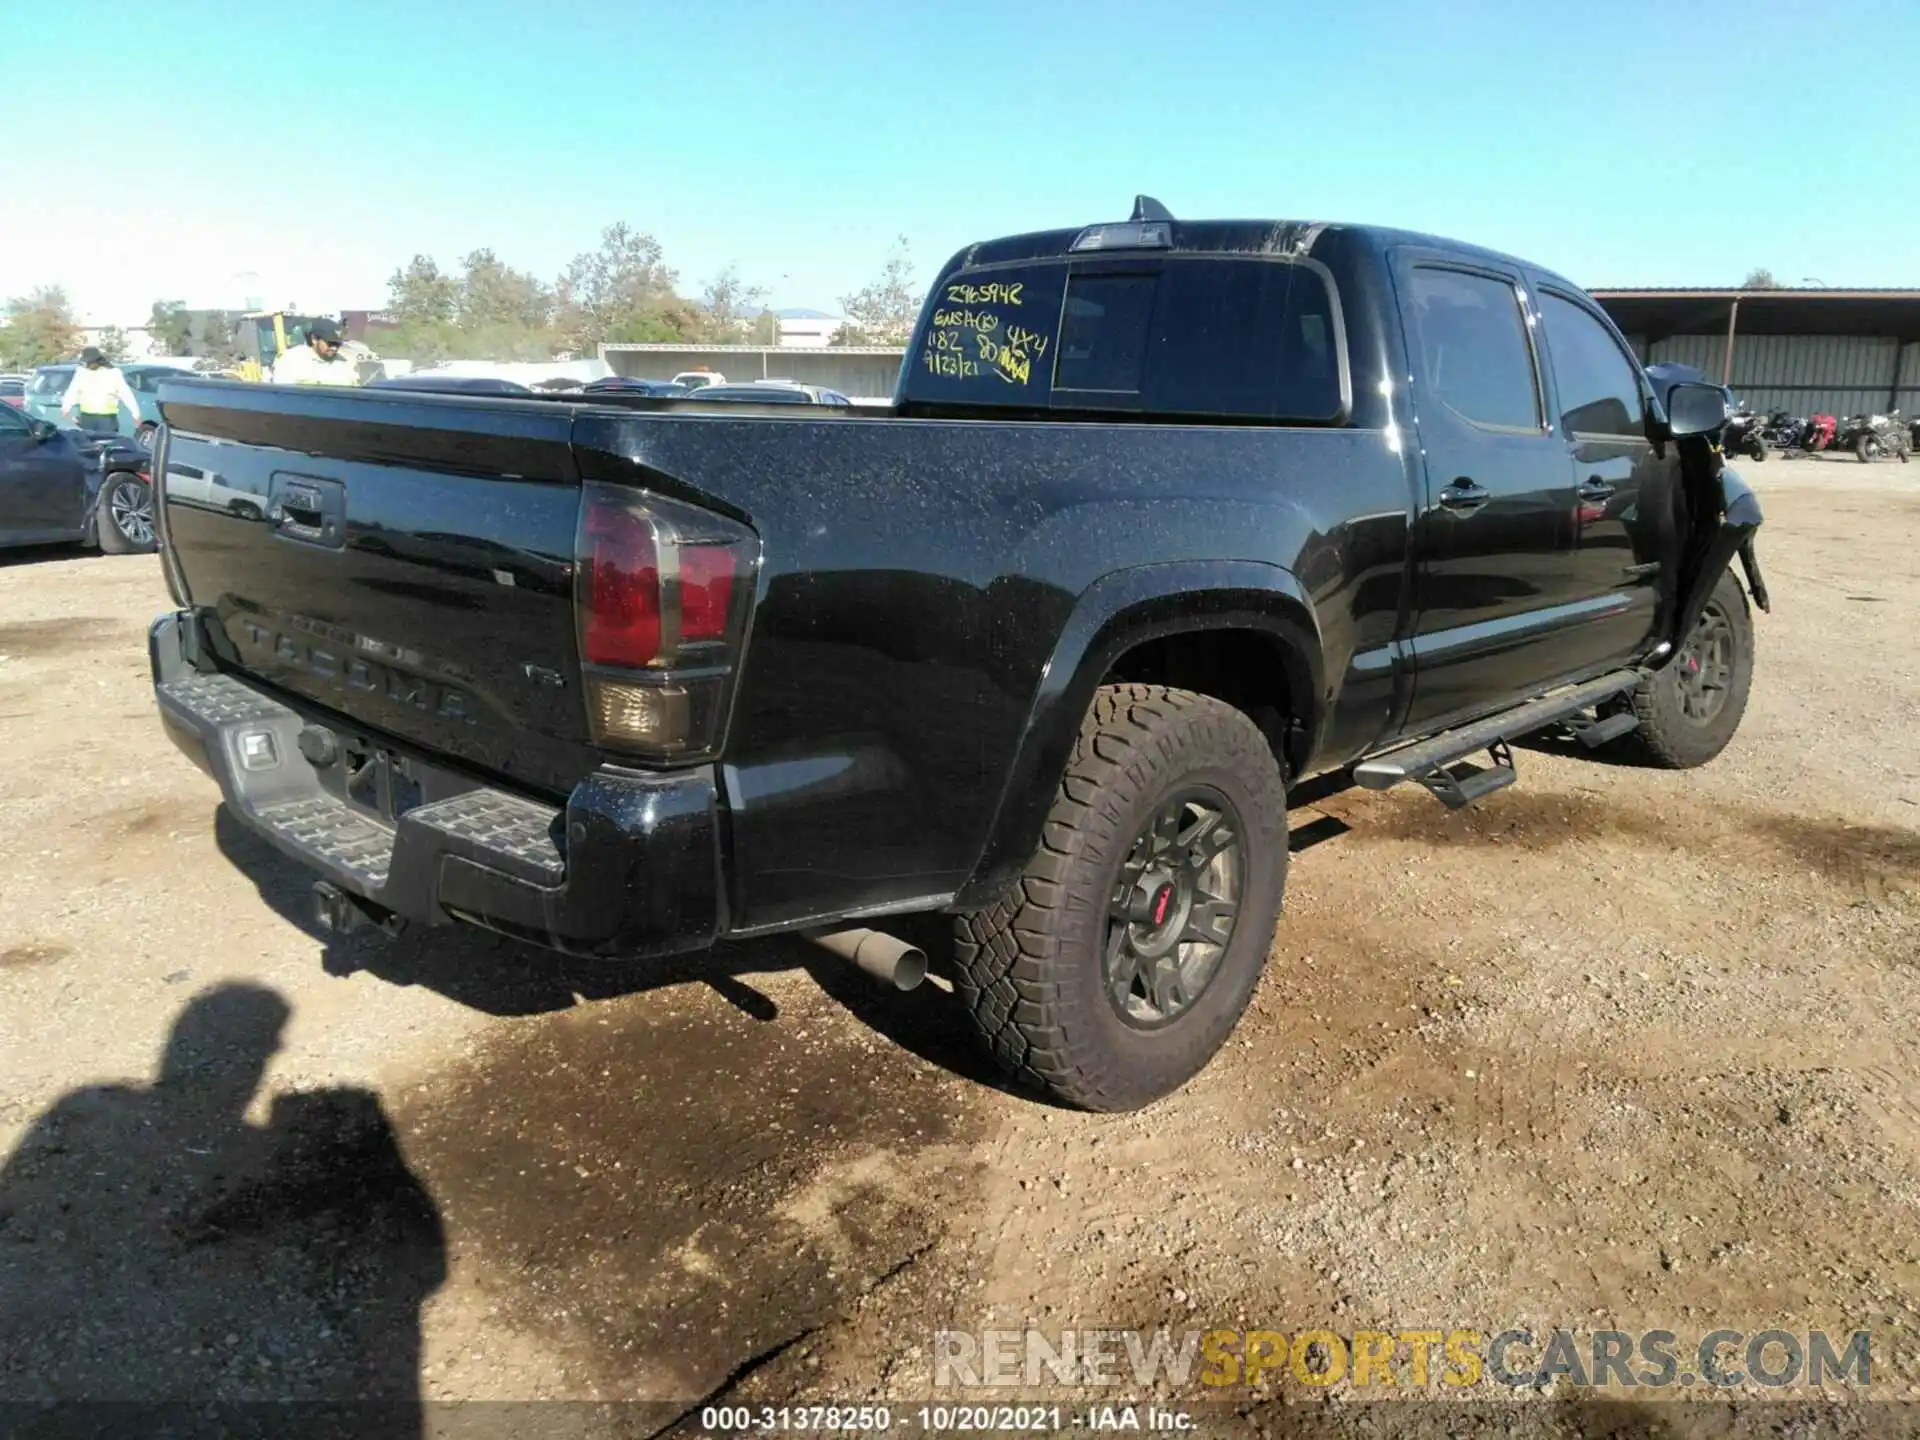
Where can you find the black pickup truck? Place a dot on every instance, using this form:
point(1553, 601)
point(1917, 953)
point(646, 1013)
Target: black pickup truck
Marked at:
point(1165, 518)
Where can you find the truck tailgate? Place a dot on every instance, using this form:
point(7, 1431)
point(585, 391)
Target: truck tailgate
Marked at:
point(407, 565)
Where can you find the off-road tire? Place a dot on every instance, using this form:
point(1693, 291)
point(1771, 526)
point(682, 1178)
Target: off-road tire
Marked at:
point(1666, 738)
point(1031, 966)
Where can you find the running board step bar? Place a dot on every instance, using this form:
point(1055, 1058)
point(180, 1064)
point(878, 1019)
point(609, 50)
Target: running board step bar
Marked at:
point(1439, 763)
point(1608, 727)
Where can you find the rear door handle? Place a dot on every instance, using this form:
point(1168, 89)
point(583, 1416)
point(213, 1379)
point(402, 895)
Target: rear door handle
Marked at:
point(1463, 497)
point(1596, 489)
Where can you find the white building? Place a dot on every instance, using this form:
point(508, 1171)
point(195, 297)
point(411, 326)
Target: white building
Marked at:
point(807, 329)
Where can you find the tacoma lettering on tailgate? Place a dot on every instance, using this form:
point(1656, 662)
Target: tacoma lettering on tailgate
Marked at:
point(343, 670)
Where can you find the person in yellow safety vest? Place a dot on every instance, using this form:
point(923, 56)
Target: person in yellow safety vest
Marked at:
point(97, 391)
point(318, 362)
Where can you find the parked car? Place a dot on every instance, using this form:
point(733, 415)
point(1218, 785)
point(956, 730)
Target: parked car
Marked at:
point(45, 391)
point(774, 392)
point(452, 384)
point(144, 380)
point(696, 379)
point(13, 390)
point(1164, 518)
point(204, 489)
point(59, 485)
point(633, 385)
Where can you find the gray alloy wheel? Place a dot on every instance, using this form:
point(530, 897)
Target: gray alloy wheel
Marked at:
point(127, 514)
point(1174, 908)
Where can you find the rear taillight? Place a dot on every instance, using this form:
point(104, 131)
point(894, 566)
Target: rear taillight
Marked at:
point(706, 591)
point(662, 591)
point(620, 625)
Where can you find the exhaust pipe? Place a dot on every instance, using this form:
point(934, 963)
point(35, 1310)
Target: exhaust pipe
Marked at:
point(890, 961)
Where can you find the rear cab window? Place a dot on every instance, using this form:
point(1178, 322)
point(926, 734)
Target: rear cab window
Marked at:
point(1474, 354)
point(1232, 338)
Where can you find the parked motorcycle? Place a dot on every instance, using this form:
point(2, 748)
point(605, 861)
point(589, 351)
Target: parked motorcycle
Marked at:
point(1871, 436)
point(1783, 430)
point(1818, 434)
point(1744, 434)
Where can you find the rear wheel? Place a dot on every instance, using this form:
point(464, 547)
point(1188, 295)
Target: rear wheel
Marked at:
point(1128, 949)
point(1866, 448)
point(124, 521)
point(1690, 708)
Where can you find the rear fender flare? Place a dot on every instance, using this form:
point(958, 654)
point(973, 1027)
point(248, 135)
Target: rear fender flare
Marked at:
point(1119, 611)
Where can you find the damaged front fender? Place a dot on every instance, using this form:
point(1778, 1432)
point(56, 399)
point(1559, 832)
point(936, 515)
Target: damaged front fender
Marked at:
point(1712, 542)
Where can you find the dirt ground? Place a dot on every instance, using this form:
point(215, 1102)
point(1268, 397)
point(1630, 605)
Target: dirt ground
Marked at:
point(1617, 1049)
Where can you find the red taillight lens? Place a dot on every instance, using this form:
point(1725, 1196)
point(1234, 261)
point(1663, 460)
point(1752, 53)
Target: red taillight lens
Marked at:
point(706, 591)
point(622, 623)
point(662, 591)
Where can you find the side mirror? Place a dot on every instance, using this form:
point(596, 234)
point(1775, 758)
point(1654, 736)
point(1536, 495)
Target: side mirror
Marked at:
point(1695, 410)
point(42, 430)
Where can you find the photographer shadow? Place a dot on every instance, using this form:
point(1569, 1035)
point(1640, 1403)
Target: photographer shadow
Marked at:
point(162, 1254)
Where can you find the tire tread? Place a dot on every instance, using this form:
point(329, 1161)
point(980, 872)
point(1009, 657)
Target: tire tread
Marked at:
point(1009, 954)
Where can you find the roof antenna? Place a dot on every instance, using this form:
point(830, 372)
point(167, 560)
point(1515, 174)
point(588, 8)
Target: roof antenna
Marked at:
point(1145, 207)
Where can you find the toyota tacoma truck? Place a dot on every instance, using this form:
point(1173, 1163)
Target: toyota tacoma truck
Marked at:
point(1165, 518)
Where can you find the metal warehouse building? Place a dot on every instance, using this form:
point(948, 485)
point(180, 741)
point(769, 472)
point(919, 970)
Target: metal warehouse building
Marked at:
point(1837, 352)
point(864, 373)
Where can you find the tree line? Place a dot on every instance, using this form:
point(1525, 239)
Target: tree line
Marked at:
point(621, 291)
point(484, 308)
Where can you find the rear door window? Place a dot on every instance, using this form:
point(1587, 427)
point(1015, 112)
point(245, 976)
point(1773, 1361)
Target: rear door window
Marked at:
point(1240, 338)
point(1474, 353)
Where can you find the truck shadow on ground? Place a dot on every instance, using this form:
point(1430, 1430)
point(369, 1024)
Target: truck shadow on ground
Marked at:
point(500, 976)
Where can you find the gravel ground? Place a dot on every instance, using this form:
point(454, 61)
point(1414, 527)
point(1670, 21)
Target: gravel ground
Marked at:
point(1616, 1049)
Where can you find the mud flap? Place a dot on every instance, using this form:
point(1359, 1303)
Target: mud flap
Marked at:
point(1709, 554)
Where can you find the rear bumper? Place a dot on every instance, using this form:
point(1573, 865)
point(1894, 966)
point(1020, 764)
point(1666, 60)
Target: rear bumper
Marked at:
point(630, 867)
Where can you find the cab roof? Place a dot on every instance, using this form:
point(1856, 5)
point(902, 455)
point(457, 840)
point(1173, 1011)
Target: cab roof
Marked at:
point(1230, 237)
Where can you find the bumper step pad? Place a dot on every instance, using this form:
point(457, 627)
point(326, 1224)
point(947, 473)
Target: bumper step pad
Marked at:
point(332, 831)
point(504, 832)
point(500, 825)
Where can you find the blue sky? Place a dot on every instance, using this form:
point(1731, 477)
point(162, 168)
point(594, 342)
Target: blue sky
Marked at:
point(206, 151)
